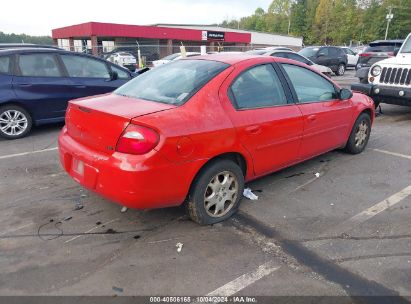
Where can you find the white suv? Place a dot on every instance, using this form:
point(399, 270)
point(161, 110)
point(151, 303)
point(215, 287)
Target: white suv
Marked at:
point(390, 79)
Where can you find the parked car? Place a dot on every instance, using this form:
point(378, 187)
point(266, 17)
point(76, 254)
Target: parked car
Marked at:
point(352, 56)
point(35, 85)
point(124, 59)
point(172, 57)
point(375, 52)
point(331, 56)
point(26, 45)
point(390, 79)
point(199, 128)
point(260, 51)
point(300, 58)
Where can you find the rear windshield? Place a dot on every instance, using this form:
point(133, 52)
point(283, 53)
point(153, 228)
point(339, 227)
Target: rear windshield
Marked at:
point(382, 48)
point(257, 52)
point(171, 57)
point(172, 83)
point(308, 52)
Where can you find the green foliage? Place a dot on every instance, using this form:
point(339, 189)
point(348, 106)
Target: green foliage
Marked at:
point(330, 21)
point(20, 38)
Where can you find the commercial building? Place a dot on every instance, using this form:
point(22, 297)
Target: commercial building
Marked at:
point(159, 40)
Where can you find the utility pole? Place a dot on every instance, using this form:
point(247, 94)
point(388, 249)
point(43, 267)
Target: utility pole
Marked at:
point(289, 25)
point(389, 18)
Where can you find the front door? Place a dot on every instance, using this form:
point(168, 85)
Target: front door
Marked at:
point(327, 119)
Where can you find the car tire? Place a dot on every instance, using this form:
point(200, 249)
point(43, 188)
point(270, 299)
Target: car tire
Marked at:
point(216, 192)
point(340, 70)
point(360, 134)
point(15, 122)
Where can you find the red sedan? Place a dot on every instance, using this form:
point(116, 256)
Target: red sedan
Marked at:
point(193, 131)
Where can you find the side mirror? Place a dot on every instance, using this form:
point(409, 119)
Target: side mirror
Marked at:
point(345, 94)
point(113, 76)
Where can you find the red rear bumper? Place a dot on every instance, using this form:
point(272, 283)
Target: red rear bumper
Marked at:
point(137, 181)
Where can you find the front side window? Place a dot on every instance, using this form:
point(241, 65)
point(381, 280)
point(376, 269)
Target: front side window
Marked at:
point(172, 83)
point(84, 67)
point(4, 65)
point(38, 65)
point(121, 73)
point(323, 52)
point(309, 86)
point(258, 87)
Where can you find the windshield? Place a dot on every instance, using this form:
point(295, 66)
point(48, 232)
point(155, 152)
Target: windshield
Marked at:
point(173, 83)
point(308, 52)
point(407, 46)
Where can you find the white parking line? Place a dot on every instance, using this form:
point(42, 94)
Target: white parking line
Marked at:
point(27, 153)
point(245, 280)
point(363, 216)
point(392, 153)
point(94, 228)
point(15, 229)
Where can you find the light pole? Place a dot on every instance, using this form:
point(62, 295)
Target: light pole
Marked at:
point(389, 18)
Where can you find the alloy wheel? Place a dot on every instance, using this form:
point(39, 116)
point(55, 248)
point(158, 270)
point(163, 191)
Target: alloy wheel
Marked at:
point(221, 194)
point(13, 122)
point(361, 134)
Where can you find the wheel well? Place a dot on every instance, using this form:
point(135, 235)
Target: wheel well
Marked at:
point(12, 103)
point(368, 112)
point(233, 156)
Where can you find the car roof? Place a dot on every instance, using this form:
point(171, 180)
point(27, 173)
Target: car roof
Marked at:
point(395, 41)
point(230, 59)
point(26, 45)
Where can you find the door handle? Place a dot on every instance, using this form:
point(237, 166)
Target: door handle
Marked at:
point(80, 86)
point(24, 84)
point(253, 129)
point(312, 117)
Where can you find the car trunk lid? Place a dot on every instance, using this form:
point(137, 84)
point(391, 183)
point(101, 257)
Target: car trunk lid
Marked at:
point(98, 122)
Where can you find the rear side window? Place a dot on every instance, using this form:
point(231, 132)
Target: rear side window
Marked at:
point(258, 87)
point(38, 65)
point(5, 65)
point(84, 67)
point(309, 86)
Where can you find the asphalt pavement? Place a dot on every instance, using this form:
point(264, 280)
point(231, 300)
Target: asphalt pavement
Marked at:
point(342, 232)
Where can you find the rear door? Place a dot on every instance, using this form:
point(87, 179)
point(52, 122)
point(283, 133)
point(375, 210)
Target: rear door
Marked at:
point(89, 76)
point(6, 90)
point(268, 124)
point(41, 84)
point(323, 57)
point(327, 119)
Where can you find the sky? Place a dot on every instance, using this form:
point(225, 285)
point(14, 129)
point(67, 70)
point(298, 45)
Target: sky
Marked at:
point(39, 17)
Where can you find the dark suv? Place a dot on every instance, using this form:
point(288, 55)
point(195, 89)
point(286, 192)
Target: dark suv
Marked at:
point(376, 51)
point(36, 83)
point(331, 56)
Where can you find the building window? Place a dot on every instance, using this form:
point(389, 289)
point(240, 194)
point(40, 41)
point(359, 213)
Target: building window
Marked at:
point(108, 46)
point(64, 44)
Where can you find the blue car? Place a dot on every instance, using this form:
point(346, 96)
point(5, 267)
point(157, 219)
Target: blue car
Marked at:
point(36, 83)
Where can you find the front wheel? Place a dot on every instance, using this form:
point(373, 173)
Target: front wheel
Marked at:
point(340, 70)
point(216, 192)
point(360, 134)
point(15, 122)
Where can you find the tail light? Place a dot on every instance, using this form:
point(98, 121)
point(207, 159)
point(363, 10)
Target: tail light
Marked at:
point(365, 54)
point(137, 140)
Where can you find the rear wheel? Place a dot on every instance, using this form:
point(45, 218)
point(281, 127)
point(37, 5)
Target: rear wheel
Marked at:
point(340, 70)
point(360, 134)
point(216, 192)
point(15, 122)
